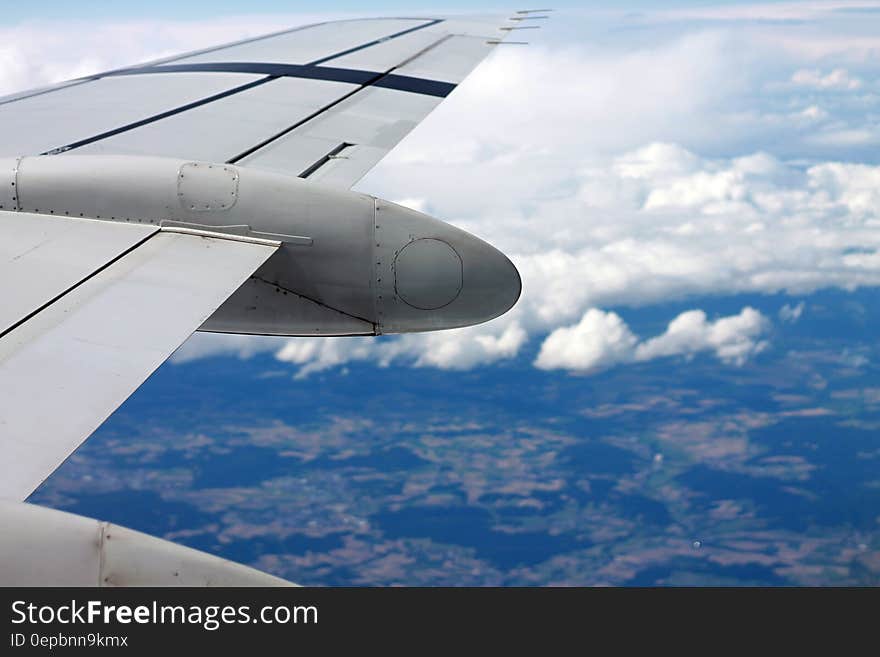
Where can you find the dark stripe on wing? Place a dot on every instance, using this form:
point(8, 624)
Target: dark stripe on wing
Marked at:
point(236, 90)
point(306, 71)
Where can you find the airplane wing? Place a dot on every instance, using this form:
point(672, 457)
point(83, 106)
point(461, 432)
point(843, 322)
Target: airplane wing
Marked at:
point(325, 102)
point(92, 307)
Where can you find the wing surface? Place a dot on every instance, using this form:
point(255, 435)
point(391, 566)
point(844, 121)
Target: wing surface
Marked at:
point(324, 101)
point(95, 307)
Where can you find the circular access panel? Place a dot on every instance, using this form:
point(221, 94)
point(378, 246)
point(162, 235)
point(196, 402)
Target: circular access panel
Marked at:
point(427, 274)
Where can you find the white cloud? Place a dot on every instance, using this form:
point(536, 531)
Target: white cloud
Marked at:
point(839, 78)
point(601, 340)
point(732, 339)
point(450, 350)
point(417, 204)
point(813, 113)
point(464, 348)
point(318, 354)
point(791, 314)
point(203, 345)
point(854, 360)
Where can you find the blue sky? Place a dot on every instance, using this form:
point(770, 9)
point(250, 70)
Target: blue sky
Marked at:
point(55, 9)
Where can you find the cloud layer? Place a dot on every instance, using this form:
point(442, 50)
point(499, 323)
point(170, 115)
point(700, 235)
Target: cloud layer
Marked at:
point(704, 153)
point(602, 339)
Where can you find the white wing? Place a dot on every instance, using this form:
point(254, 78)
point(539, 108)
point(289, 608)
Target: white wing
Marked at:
point(324, 101)
point(94, 308)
